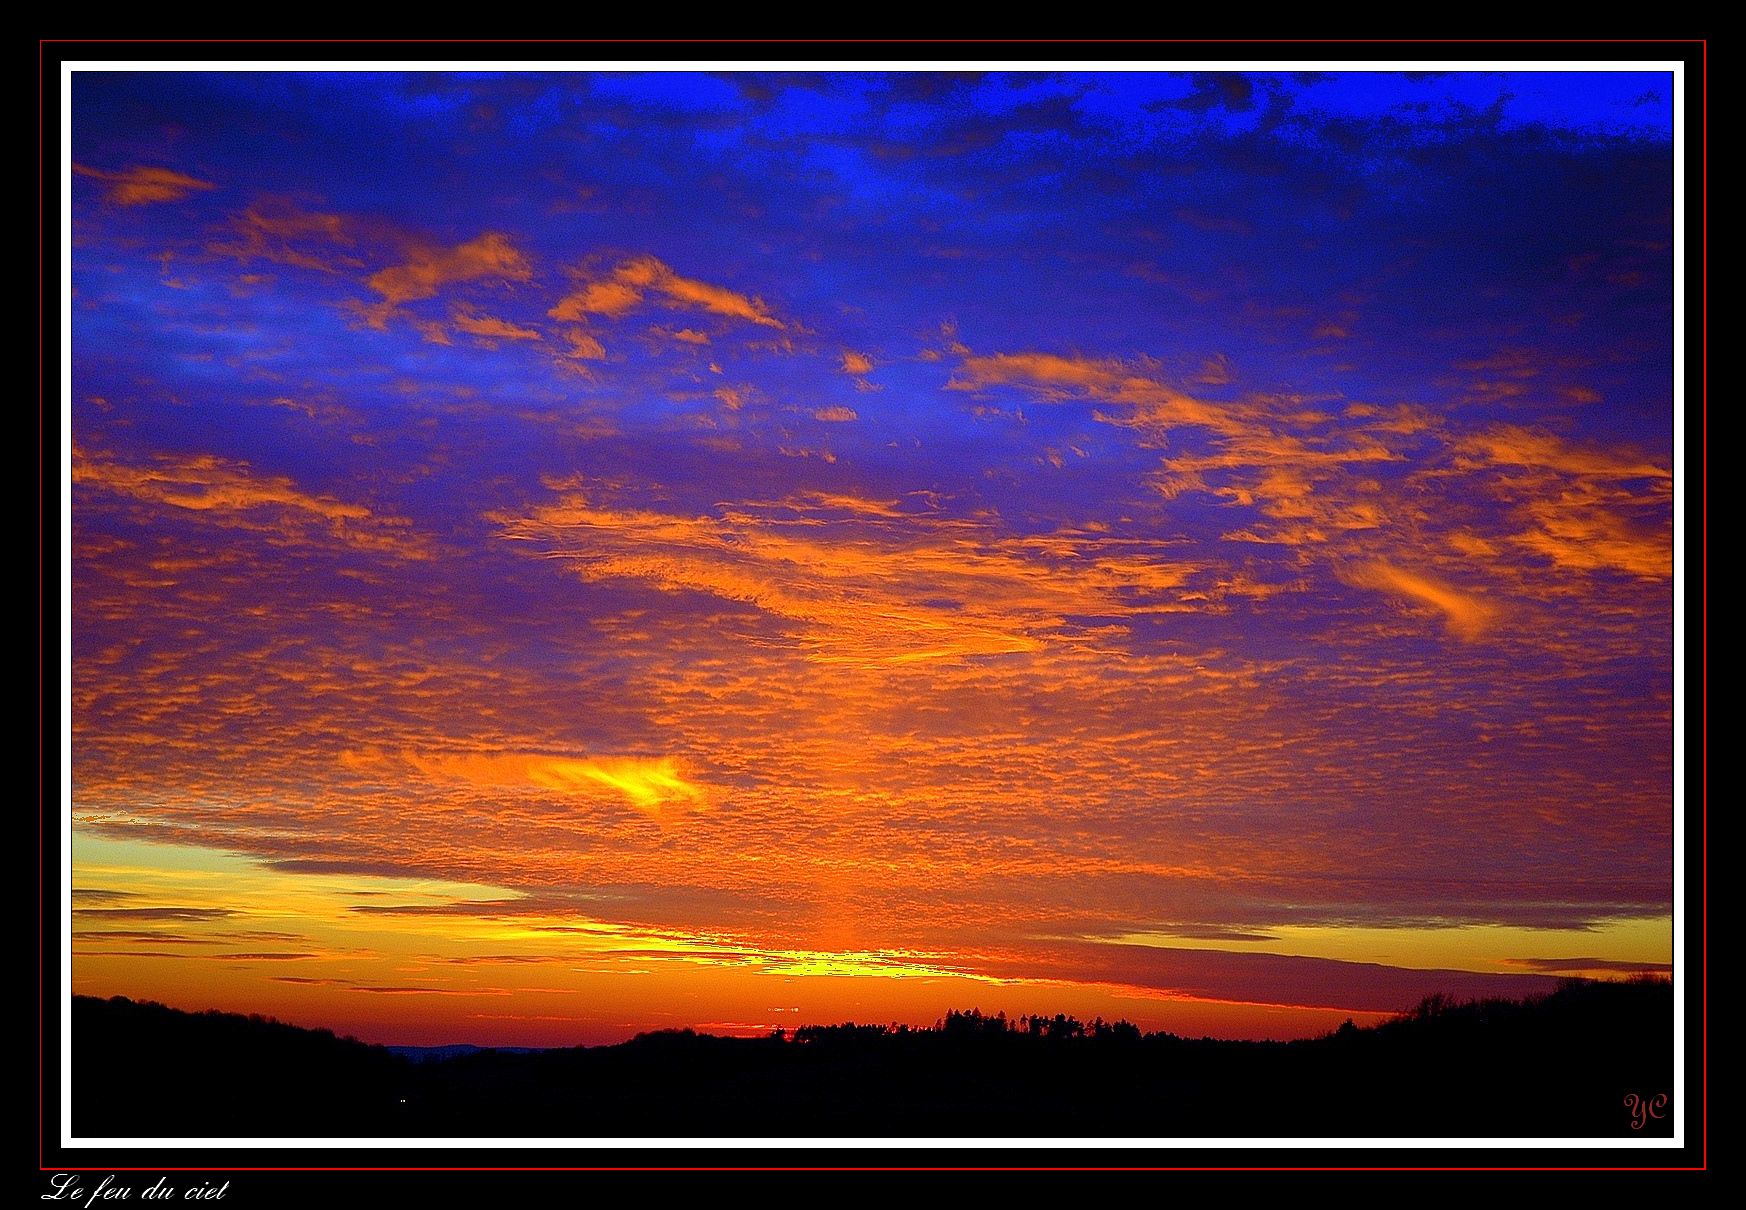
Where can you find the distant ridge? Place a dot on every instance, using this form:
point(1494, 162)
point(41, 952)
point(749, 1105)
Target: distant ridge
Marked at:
point(430, 1054)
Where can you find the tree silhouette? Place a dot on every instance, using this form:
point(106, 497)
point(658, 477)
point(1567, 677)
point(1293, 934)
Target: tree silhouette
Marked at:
point(1560, 1064)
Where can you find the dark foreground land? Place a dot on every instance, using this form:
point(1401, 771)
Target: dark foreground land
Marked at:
point(1556, 1066)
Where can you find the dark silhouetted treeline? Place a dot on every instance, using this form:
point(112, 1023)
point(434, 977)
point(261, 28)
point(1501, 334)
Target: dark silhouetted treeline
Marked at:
point(1554, 1066)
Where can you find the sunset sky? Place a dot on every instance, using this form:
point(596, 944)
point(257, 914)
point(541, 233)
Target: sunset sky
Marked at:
point(561, 555)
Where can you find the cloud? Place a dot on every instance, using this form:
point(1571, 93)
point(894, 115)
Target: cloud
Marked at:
point(139, 185)
point(233, 493)
point(1584, 508)
point(1310, 470)
point(156, 913)
point(1053, 378)
point(490, 327)
point(1045, 371)
point(1263, 978)
point(1472, 544)
point(490, 257)
point(1577, 532)
point(1513, 445)
point(648, 782)
point(205, 483)
point(899, 588)
point(388, 989)
point(100, 895)
point(856, 363)
point(1554, 965)
point(1324, 482)
point(634, 281)
point(1215, 371)
point(610, 298)
point(583, 347)
point(280, 231)
point(836, 415)
point(1214, 932)
point(318, 865)
point(1468, 617)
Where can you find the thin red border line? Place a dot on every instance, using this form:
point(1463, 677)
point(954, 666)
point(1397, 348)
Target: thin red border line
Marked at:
point(1703, 603)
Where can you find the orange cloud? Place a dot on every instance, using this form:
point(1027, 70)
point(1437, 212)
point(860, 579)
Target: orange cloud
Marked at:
point(491, 327)
point(279, 231)
point(717, 299)
point(610, 298)
point(205, 483)
point(1472, 544)
point(836, 415)
point(140, 185)
point(583, 346)
point(1512, 445)
point(856, 363)
point(1468, 617)
point(1578, 533)
point(851, 504)
point(490, 257)
point(1215, 371)
point(649, 783)
point(233, 493)
point(881, 587)
point(1586, 508)
point(1045, 370)
point(1146, 401)
point(632, 282)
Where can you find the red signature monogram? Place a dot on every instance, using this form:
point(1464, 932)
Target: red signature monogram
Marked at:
point(1643, 1109)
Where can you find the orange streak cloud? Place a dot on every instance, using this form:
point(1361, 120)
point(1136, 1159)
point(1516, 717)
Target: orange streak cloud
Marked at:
point(139, 185)
point(888, 594)
point(1467, 616)
point(630, 283)
point(1511, 445)
point(647, 782)
point(583, 346)
point(233, 493)
point(491, 327)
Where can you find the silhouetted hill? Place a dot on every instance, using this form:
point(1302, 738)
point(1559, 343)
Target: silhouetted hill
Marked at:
point(1559, 1065)
point(143, 1069)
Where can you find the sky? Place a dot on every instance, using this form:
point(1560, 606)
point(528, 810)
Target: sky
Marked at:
point(557, 555)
